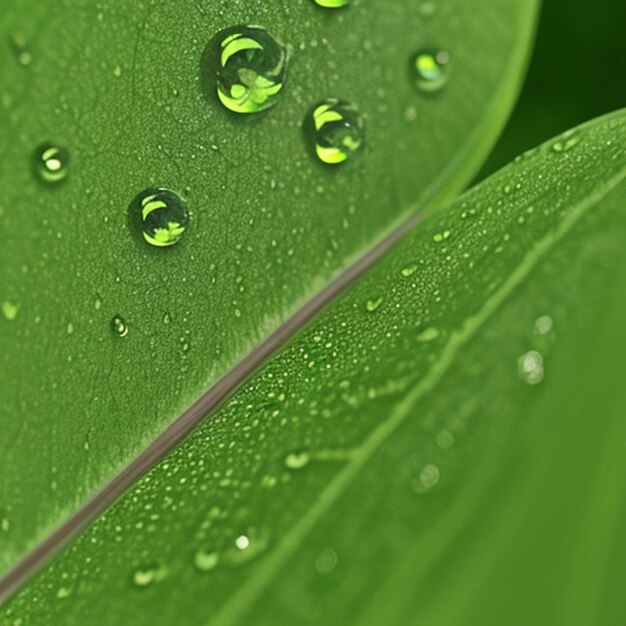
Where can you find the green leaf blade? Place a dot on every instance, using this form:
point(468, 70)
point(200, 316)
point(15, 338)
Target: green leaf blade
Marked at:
point(123, 88)
point(355, 460)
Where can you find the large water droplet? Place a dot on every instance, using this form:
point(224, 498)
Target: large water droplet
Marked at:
point(51, 162)
point(297, 460)
point(162, 215)
point(251, 70)
point(332, 4)
point(338, 131)
point(432, 70)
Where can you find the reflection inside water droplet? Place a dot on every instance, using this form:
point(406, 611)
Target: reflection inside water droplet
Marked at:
point(251, 69)
point(162, 215)
point(530, 367)
point(337, 130)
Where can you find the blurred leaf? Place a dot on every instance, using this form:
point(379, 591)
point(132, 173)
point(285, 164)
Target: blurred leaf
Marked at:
point(379, 470)
point(127, 88)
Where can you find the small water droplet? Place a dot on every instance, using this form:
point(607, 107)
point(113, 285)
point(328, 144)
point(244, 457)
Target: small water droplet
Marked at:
point(63, 592)
point(429, 334)
point(149, 574)
point(440, 237)
point(119, 326)
point(337, 130)
point(427, 479)
point(20, 49)
point(206, 561)
point(432, 70)
point(373, 304)
point(247, 546)
point(566, 143)
point(332, 4)
point(297, 460)
point(162, 215)
point(409, 270)
point(52, 162)
point(445, 439)
point(10, 310)
point(251, 70)
point(530, 367)
point(543, 325)
point(326, 561)
point(5, 524)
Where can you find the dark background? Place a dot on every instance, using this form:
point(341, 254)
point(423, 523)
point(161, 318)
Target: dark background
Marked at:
point(577, 72)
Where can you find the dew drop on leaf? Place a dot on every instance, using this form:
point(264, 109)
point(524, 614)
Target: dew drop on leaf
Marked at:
point(530, 367)
point(432, 70)
point(149, 574)
point(427, 479)
point(162, 215)
point(543, 325)
point(332, 4)
point(373, 304)
point(251, 69)
point(51, 163)
point(297, 460)
point(9, 310)
point(206, 561)
point(326, 561)
point(119, 326)
point(338, 131)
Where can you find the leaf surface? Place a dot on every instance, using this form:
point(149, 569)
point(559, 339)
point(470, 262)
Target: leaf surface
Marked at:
point(383, 465)
point(129, 89)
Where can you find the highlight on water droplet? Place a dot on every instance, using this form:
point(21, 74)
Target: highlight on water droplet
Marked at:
point(530, 367)
point(119, 326)
point(162, 215)
point(432, 70)
point(251, 70)
point(332, 4)
point(247, 546)
point(568, 141)
point(543, 325)
point(51, 162)
point(337, 130)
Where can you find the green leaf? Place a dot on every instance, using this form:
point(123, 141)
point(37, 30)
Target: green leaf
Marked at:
point(379, 469)
point(104, 339)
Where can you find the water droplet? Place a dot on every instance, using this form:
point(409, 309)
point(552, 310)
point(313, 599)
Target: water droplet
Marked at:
point(432, 70)
point(52, 163)
point(427, 479)
point(247, 547)
point(162, 215)
point(543, 325)
point(5, 524)
point(63, 592)
point(332, 4)
point(445, 439)
point(206, 561)
point(530, 367)
point(409, 270)
point(566, 143)
point(119, 326)
point(10, 310)
point(338, 131)
point(429, 334)
point(252, 68)
point(297, 460)
point(326, 561)
point(440, 237)
point(373, 304)
point(145, 576)
point(20, 49)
